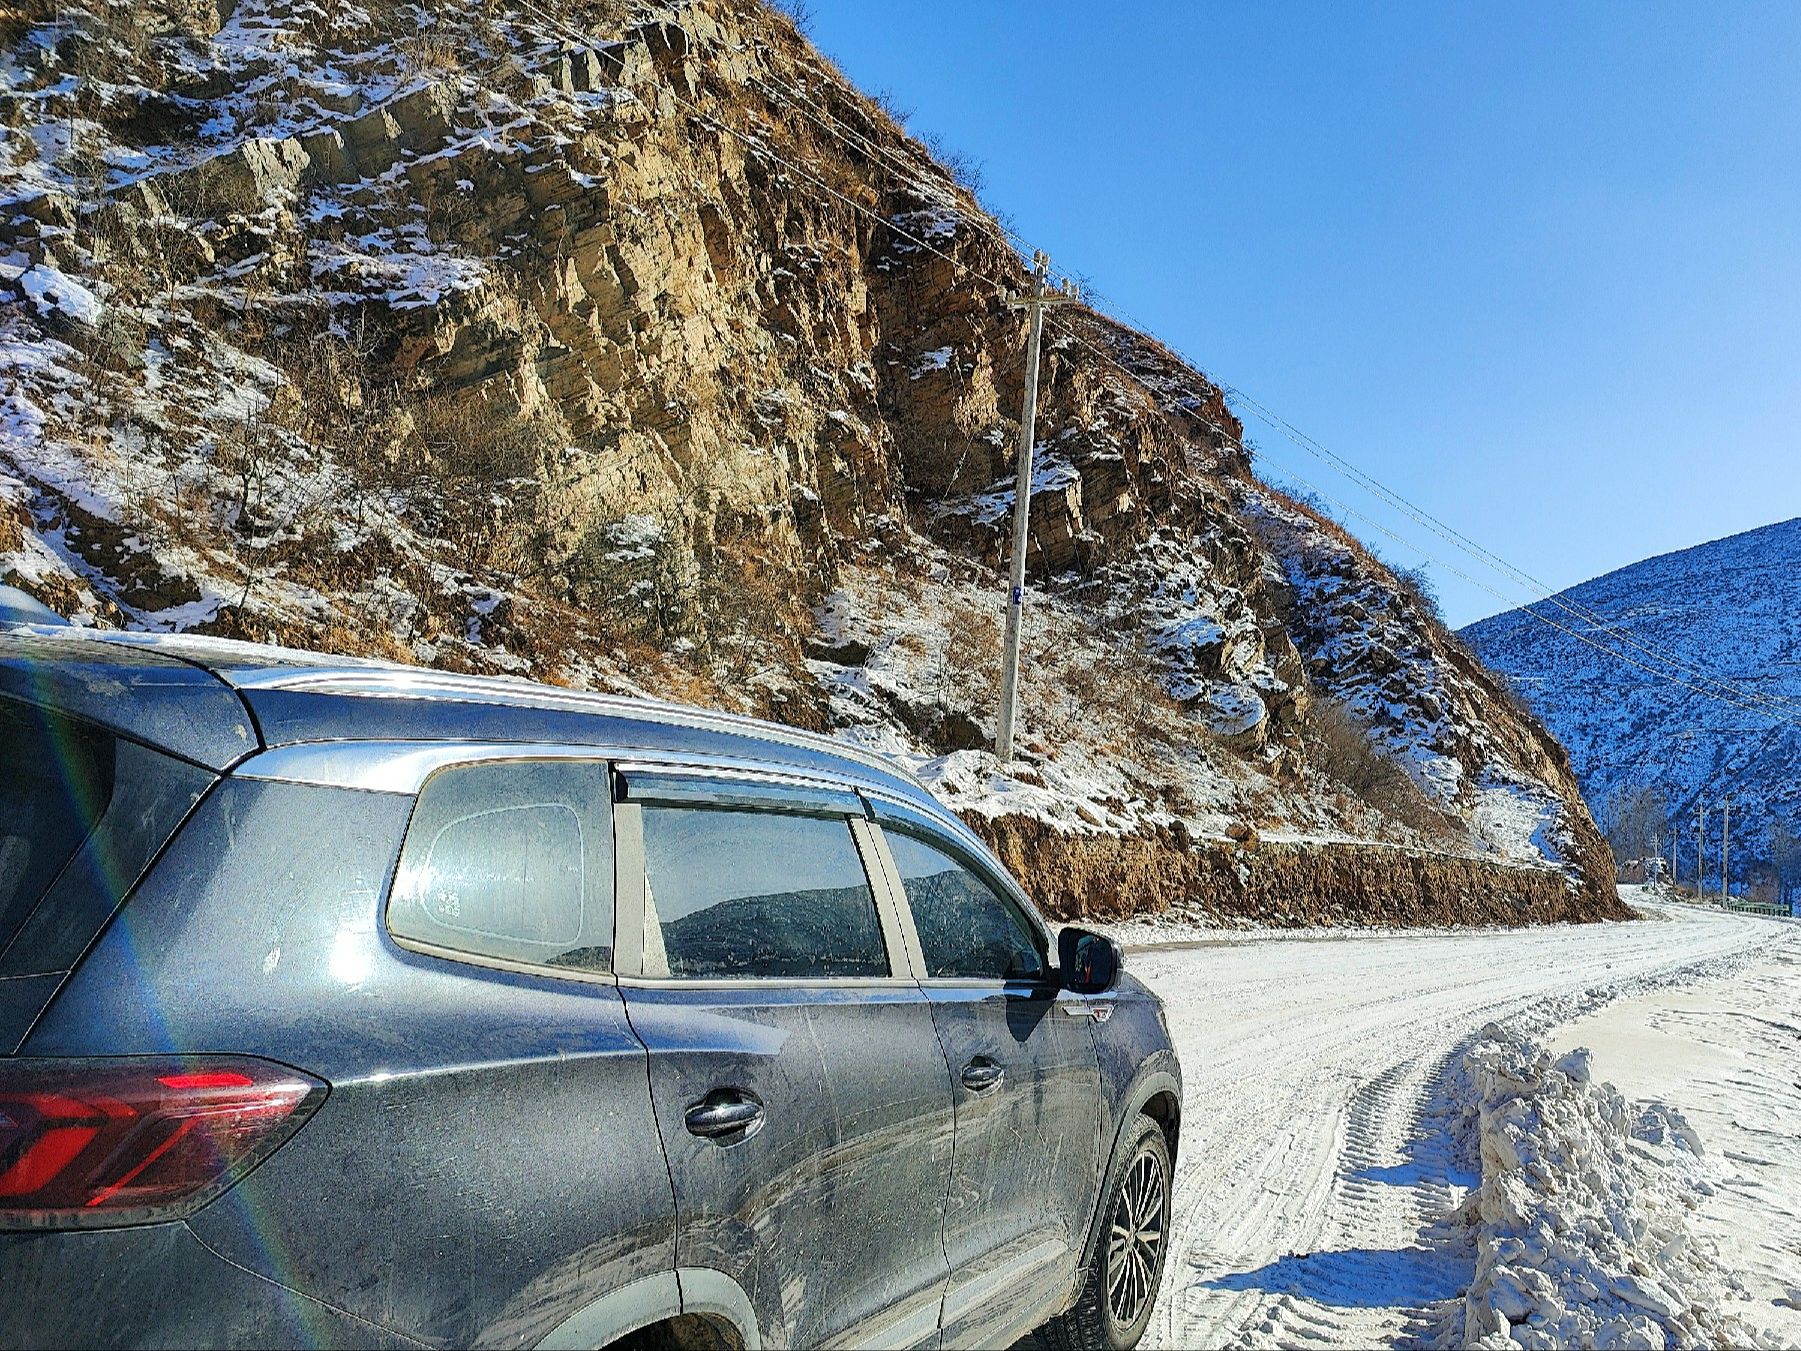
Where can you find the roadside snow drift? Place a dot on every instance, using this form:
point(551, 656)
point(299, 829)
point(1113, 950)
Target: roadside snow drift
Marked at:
point(1581, 1223)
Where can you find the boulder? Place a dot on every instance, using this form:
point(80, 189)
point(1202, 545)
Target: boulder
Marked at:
point(244, 178)
point(422, 117)
point(328, 158)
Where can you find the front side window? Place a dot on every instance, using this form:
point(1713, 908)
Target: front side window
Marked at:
point(732, 894)
point(967, 929)
point(511, 860)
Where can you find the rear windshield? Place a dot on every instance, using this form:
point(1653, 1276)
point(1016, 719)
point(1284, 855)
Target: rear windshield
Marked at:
point(81, 814)
point(56, 779)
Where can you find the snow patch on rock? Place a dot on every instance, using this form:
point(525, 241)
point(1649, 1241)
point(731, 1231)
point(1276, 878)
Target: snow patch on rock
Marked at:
point(53, 291)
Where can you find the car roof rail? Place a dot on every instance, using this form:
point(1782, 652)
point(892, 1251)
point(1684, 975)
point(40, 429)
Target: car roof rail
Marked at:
point(21, 607)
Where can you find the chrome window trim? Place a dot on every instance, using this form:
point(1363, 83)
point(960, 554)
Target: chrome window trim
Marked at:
point(1047, 986)
point(393, 766)
point(403, 766)
point(562, 973)
point(749, 984)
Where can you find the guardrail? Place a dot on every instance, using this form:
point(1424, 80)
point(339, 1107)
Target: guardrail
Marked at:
point(1769, 908)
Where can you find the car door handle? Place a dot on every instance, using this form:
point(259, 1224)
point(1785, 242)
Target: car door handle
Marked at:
point(982, 1074)
point(724, 1112)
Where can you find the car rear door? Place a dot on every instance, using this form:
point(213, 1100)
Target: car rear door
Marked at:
point(795, 1072)
point(1021, 1056)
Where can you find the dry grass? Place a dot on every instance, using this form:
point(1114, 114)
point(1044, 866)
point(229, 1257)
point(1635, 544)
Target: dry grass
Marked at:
point(1339, 749)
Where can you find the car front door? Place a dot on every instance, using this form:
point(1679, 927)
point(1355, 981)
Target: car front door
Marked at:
point(1027, 1084)
point(795, 1073)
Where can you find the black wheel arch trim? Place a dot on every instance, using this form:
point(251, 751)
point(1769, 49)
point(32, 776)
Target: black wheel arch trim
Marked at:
point(1153, 1080)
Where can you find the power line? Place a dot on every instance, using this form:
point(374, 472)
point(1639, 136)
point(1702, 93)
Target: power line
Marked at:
point(1541, 590)
point(1747, 700)
point(1449, 567)
point(854, 139)
point(1451, 535)
point(1544, 619)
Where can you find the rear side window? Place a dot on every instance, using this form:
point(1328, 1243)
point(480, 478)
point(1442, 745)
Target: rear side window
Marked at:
point(82, 813)
point(747, 894)
point(967, 929)
point(511, 860)
point(56, 781)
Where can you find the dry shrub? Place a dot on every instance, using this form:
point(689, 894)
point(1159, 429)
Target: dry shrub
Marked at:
point(752, 611)
point(797, 12)
point(1339, 748)
point(478, 465)
point(333, 400)
point(431, 53)
point(642, 579)
point(1315, 511)
point(1097, 686)
point(967, 671)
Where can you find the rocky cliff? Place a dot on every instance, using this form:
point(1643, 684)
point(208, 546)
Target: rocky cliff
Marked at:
point(630, 346)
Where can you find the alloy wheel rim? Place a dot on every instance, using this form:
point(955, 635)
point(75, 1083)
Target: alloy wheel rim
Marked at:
point(1135, 1241)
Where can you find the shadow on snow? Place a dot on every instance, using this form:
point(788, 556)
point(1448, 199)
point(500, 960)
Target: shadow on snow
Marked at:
point(1357, 1278)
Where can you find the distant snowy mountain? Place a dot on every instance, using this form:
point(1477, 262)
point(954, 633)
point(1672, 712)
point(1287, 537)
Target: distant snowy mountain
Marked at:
point(1722, 716)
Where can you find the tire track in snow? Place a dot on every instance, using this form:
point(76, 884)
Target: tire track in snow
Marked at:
point(1313, 1171)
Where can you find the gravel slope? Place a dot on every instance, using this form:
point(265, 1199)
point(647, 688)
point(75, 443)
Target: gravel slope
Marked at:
point(1316, 1168)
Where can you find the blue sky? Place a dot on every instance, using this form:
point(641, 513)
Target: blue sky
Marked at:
point(1537, 267)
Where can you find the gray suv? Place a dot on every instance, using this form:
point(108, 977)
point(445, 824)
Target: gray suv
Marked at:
point(352, 1004)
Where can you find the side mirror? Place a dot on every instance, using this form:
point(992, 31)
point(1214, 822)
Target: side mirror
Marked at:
point(1090, 963)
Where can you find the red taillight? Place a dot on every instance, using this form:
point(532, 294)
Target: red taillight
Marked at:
point(102, 1142)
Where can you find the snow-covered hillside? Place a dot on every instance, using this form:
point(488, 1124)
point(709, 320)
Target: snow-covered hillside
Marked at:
point(1671, 731)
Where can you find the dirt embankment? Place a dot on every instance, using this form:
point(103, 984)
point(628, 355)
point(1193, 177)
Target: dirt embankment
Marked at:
point(1284, 884)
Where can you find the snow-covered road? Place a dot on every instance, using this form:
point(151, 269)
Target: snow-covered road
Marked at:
point(1314, 1166)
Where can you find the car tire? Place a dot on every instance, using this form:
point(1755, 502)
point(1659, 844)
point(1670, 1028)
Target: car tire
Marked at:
point(1118, 1293)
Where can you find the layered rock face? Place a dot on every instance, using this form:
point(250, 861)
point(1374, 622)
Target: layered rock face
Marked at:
point(633, 347)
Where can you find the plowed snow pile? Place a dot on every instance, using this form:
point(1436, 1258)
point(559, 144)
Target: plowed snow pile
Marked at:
point(1581, 1223)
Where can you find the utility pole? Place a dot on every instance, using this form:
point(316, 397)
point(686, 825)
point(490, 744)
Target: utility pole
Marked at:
point(1022, 497)
point(1725, 843)
point(1700, 846)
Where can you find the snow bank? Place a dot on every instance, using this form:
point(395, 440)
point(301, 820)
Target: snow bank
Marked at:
point(1581, 1224)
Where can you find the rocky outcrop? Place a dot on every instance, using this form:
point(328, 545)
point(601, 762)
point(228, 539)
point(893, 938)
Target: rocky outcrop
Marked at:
point(632, 346)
